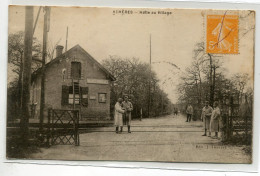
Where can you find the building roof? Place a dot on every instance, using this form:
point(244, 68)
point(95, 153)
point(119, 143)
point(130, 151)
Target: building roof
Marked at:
point(62, 56)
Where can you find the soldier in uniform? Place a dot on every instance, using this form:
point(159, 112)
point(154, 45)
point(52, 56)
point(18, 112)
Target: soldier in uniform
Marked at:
point(127, 105)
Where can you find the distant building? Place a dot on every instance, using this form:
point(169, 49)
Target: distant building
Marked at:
point(74, 77)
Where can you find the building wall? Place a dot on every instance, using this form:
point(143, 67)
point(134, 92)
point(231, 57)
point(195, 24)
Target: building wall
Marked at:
point(58, 74)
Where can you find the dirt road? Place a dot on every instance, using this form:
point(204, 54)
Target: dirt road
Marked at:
point(168, 139)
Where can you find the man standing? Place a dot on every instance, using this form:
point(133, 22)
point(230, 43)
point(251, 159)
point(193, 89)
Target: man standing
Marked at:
point(205, 116)
point(127, 105)
point(119, 111)
point(214, 122)
point(189, 112)
point(175, 111)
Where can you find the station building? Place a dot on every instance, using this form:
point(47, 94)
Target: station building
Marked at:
point(74, 79)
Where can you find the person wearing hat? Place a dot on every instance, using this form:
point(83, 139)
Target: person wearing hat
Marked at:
point(205, 117)
point(119, 111)
point(127, 105)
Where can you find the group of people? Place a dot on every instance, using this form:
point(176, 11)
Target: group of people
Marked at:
point(123, 109)
point(210, 117)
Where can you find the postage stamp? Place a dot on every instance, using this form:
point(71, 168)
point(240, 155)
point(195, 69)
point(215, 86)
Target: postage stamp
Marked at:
point(222, 34)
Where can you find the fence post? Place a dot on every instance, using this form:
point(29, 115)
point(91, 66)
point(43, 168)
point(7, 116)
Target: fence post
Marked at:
point(225, 129)
point(231, 116)
point(52, 126)
point(229, 126)
point(246, 116)
point(76, 125)
point(48, 127)
point(141, 114)
point(78, 129)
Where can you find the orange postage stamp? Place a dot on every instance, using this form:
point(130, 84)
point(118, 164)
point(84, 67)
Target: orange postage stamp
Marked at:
point(222, 34)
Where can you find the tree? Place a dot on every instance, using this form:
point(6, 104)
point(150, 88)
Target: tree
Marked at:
point(132, 78)
point(51, 49)
point(205, 79)
point(15, 58)
point(16, 51)
point(240, 81)
point(200, 80)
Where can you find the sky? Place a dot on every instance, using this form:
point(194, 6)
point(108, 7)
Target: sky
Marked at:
point(173, 37)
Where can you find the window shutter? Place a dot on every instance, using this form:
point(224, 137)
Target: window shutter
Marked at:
point(81, 74)
point(84, 90)
point(65, 95)
point(79, 70)
point(84, 100)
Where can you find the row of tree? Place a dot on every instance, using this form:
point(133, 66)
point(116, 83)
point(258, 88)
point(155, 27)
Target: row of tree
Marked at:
point(15, 63)
point(205, 80)
point(134, 78)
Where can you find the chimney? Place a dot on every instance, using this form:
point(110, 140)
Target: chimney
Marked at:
point(59, 49)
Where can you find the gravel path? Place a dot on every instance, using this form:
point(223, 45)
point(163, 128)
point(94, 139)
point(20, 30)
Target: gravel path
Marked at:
point(167, 139)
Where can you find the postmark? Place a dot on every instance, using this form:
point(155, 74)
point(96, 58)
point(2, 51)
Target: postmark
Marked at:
point(222, 34)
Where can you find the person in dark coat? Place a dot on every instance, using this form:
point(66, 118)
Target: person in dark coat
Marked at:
point(127, 105)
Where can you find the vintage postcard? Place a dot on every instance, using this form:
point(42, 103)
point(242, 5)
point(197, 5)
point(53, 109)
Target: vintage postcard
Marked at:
point(130, 84)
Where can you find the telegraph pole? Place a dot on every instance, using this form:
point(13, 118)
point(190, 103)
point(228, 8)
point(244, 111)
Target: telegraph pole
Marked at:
point(211, 96)
point(149, 85)
point(66, 39)
point(39, 11)
point(213, 82)
point(46, 28)
point(26, 74)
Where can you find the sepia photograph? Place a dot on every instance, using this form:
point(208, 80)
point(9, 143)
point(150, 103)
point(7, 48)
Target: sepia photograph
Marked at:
point(130, 84)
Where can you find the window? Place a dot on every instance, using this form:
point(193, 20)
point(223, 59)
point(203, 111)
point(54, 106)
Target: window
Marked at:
point(75, 70)
point(102, 97)
point(81, 95)
point(76, 93)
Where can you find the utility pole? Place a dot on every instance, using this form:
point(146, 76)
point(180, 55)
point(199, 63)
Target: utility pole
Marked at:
point(26, 75)
point(149, 85)
point(211, 82)
point(37, 17)
point(46, 28)
point(66, 39)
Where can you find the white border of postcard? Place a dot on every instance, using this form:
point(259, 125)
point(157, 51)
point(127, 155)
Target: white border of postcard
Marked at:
point(46, 165)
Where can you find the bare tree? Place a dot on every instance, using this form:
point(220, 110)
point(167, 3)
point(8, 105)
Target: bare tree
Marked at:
point(132, 77)
point(15, 56)
point(51, 49)
point(240, 80)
